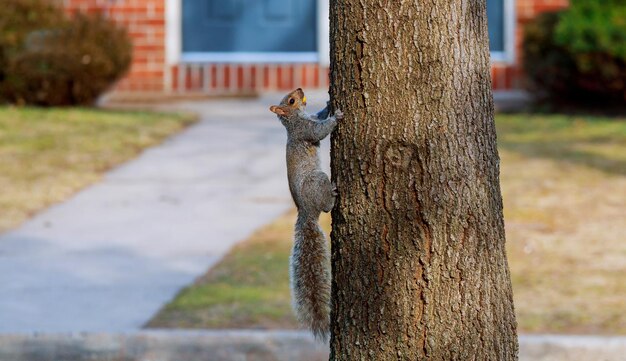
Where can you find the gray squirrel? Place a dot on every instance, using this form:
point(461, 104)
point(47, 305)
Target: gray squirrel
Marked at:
point(312, 193)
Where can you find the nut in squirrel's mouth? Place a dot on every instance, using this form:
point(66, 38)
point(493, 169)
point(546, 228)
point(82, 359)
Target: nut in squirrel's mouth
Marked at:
point(304, 100)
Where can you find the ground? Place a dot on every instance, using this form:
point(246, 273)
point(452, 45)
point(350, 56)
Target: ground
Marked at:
point(564, 188)
point(48, 154)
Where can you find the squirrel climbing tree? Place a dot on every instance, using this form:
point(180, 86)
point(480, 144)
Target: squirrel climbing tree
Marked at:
point(418, 253)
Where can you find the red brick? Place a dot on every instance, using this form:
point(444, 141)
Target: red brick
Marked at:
point(253, 76)
point(290, 77)
point(213, 72)
point(226, 72)
point(174, 73)
point(240, 84)
point(316, 76)
point(151, 22)
point(265, 82)
point(187, 78)
point(202, 82)
point(508, 77)
point(300, 78)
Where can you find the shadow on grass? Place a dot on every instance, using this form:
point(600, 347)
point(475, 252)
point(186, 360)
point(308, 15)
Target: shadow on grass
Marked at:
point(566, 152)
point(595, 142)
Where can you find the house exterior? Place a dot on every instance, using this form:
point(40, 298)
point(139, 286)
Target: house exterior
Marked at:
point(247, 46)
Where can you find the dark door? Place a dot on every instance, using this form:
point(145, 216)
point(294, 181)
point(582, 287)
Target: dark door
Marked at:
point(249, 26)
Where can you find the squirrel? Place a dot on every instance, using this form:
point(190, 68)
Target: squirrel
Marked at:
point(312, 192)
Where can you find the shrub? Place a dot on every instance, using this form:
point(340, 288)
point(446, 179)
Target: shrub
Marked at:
point(579, 54)
point(67, 63)
point(18, 18)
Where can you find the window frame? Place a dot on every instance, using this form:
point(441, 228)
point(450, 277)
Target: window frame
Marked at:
point(249, 57)
point(174, 53)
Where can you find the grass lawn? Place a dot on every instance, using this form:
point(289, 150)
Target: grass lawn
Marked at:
point(48, 154)
point(564, 188)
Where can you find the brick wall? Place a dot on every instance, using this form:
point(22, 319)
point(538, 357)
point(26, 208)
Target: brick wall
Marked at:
point(145, 21)
point(247, 78)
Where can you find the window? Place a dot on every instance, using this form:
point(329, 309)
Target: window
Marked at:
point(242, 30)
point(287, 30)
point(501, 19)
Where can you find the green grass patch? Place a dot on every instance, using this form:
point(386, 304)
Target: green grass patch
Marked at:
point(564, 188)
point(248, 288)
point(48, 154)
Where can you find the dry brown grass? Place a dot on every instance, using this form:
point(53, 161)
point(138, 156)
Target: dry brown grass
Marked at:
point(46, 155)
point(566, 235)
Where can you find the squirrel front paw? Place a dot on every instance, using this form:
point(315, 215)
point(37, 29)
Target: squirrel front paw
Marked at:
point(333, 189)
point(338, 114)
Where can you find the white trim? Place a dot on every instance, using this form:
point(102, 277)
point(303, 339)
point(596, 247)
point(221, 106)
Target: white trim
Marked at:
point(173, 43)
point(174, 54)
point(248, 57)
point(508, 55)
point(323, 32)
point(499, 57)
point(173, 31)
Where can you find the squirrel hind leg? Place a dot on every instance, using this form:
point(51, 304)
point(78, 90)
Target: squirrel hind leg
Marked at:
point(319, 192)
point(329, 204)
point(332, 198)
point(329, 197)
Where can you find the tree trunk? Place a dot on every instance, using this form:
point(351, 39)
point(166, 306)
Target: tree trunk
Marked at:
point(418, 253)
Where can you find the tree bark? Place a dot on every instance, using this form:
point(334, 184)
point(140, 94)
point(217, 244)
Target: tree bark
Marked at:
point(418, 252)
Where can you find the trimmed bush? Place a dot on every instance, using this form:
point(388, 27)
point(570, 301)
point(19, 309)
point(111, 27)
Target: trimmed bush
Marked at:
point(70, 62)
point(579, 54)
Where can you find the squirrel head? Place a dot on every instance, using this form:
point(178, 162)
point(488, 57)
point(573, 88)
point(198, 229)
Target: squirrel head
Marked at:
point(291, 104)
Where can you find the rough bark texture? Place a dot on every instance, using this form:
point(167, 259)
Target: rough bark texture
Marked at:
point(419, 264)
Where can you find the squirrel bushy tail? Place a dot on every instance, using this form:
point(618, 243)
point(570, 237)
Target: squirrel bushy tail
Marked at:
point(310, 277)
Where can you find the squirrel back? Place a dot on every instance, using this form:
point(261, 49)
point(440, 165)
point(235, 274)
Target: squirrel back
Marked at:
point(312, 193)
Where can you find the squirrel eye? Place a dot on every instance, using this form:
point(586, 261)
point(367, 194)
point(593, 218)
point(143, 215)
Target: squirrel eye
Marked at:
point(291, 101)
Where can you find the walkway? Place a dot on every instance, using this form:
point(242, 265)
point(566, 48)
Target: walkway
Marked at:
point(107, 259)
point(277, 345)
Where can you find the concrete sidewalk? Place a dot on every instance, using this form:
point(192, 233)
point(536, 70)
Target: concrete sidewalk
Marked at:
point(256, 345)
point(107, 259)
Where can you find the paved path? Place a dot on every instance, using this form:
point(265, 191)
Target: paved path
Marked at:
point(227, 345)
point(108, 258)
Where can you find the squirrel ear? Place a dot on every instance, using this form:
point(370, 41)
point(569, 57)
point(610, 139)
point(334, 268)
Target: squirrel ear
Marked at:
point(278, 110)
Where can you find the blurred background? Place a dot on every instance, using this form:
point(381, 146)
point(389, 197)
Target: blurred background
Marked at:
point(230, 47)
point(87, 85)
